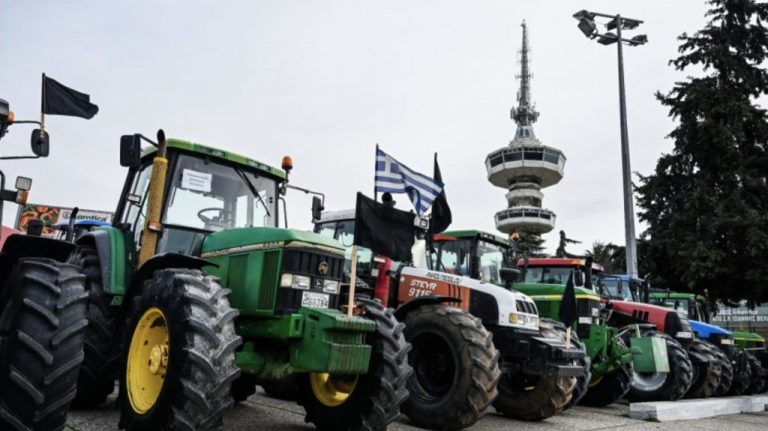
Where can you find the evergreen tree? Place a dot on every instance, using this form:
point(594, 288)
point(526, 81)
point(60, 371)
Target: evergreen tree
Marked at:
point(706, 204)
point(530, 243)
point(564, 241)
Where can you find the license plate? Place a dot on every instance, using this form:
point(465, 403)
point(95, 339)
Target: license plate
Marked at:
point(315, 300)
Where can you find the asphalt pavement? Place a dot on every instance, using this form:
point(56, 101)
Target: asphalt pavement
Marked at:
point(263, 413)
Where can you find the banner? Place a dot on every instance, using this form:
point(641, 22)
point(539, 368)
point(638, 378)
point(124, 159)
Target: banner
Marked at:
point(52, 216)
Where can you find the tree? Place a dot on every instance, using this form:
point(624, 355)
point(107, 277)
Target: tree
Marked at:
point(706, 203)
point(564, 241)
point(530, 243)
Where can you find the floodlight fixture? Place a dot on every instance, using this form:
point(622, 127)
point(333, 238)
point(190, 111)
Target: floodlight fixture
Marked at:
point(640, 39)
point(607, 38)
point(588, 27)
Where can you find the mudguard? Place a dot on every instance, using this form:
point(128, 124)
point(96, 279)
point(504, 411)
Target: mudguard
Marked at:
point(415, 303)
point(111, 246)
point(17, 246)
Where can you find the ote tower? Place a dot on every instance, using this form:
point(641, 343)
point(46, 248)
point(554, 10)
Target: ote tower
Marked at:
point(526, 166)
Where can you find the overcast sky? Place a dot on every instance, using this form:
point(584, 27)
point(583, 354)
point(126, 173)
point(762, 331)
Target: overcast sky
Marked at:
point(324, 81)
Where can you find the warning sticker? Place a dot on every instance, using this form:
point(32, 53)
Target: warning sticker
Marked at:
point(197, 181)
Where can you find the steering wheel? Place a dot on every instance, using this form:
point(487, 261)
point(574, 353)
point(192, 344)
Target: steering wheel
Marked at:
point(221, 219)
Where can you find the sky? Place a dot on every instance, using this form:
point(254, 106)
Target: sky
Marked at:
point(325, 81)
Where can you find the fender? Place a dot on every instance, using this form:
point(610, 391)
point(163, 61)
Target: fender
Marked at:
point(113, 248)
point(18, 246)
point(165, 261)
point(415, 303)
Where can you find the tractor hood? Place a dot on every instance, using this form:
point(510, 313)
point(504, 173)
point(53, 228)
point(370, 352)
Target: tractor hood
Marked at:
point(750, 336)
point(261, 238)
point(706, 331)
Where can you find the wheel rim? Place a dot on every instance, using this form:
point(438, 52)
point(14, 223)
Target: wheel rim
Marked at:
point(434, 365)
point(147, 360)
point(648, 382)
point(332, 390)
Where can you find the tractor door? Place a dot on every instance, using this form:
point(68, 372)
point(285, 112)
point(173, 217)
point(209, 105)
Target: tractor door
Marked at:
point(132, 211)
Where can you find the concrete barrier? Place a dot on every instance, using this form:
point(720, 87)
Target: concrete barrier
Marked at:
point(664, 411)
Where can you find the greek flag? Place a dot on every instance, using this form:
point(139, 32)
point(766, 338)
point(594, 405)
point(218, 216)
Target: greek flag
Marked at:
point(394, 177)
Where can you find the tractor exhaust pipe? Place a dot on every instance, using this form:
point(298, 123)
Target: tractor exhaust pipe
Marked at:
point(152, 227)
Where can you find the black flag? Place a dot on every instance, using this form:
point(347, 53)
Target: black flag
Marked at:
point(441, 212)
point(568, 311)
point(385, 230)
point(59, 99)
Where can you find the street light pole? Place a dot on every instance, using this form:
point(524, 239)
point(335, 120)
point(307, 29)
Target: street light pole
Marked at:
point(629, 207)
point(588, 26)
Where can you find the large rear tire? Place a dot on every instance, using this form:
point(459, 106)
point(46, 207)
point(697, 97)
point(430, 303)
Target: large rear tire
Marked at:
point(178, 354)
point(742, 374)
point(757, 382)
point(456, 368)
point(101, 365)
point(538, 398)
point(726, 377)
point(42, 326)
point(669, 386)
point(609, 388)
point(706, 376)
point(366, 402)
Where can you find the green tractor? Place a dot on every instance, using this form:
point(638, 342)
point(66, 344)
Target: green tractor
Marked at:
point(42, 315)
point(611, 352)
point(196, 293)
point(748, 354)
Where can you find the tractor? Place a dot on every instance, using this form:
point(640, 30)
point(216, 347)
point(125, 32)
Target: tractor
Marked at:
point(42, 315)
point(466, 336)
point(196, 293)
point(609, 354)
point(748, 360)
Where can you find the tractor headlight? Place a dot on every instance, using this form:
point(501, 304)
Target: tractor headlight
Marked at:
point(726, 341)
point(517, 319)
point(295, 281)
point(684, 334)
point(331, 286)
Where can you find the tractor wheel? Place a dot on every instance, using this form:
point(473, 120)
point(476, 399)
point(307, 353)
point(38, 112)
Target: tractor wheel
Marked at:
point(669, 386)
point(536, 399)
point(706, 377)
point(179, 354)
point(243, 387)
point(726, 377)
point(757, 382)
point(282, 389)
point(607, 389)
point(102, 336)
point(742, 374)
point(42, 326)
point(367, 402)
point(455, 368)
point(582, 382)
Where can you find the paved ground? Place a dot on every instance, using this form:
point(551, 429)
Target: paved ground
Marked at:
point(263, 413)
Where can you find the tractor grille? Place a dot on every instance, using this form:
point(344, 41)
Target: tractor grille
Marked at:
point(306, 261)
point(585, 306)
point(526, 307)
point(269, 280)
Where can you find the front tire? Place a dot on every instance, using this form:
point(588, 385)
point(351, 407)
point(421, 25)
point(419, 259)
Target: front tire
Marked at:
point(706, 376)
point(101, 365)
point(42, 326)
point(455, 368)
point(726, 377)
point(178, 353)
point(582, 382)
point(757, 383)
point(609, 388)
point(669, 386)
point(366, 402)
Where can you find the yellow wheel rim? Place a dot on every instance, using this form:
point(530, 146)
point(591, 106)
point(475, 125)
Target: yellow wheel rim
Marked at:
point(332, 390)
point(147, 360)
point(595, 381)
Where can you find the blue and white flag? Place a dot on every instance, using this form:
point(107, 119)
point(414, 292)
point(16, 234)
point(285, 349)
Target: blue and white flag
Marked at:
point(394, 177)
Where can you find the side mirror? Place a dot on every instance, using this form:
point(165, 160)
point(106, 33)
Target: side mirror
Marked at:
point(130, 151)
point(317, 208)
point(5, 110)
point(509, 275)
point(39, 143)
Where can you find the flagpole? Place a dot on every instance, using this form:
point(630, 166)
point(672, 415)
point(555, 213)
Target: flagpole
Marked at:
point(352, 282)
point(42, 108)
point(375, 164)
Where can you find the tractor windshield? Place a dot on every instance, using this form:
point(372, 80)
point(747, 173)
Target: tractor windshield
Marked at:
point(209, 195)
point(493, 258)
point(548, 275)
point(344, 232)
point(614, 288)
point(682, 306)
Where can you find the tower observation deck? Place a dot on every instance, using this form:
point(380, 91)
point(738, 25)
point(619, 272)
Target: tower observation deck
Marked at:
point(525, 166)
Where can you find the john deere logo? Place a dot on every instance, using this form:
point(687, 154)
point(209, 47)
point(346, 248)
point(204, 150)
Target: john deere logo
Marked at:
point(322, 268)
